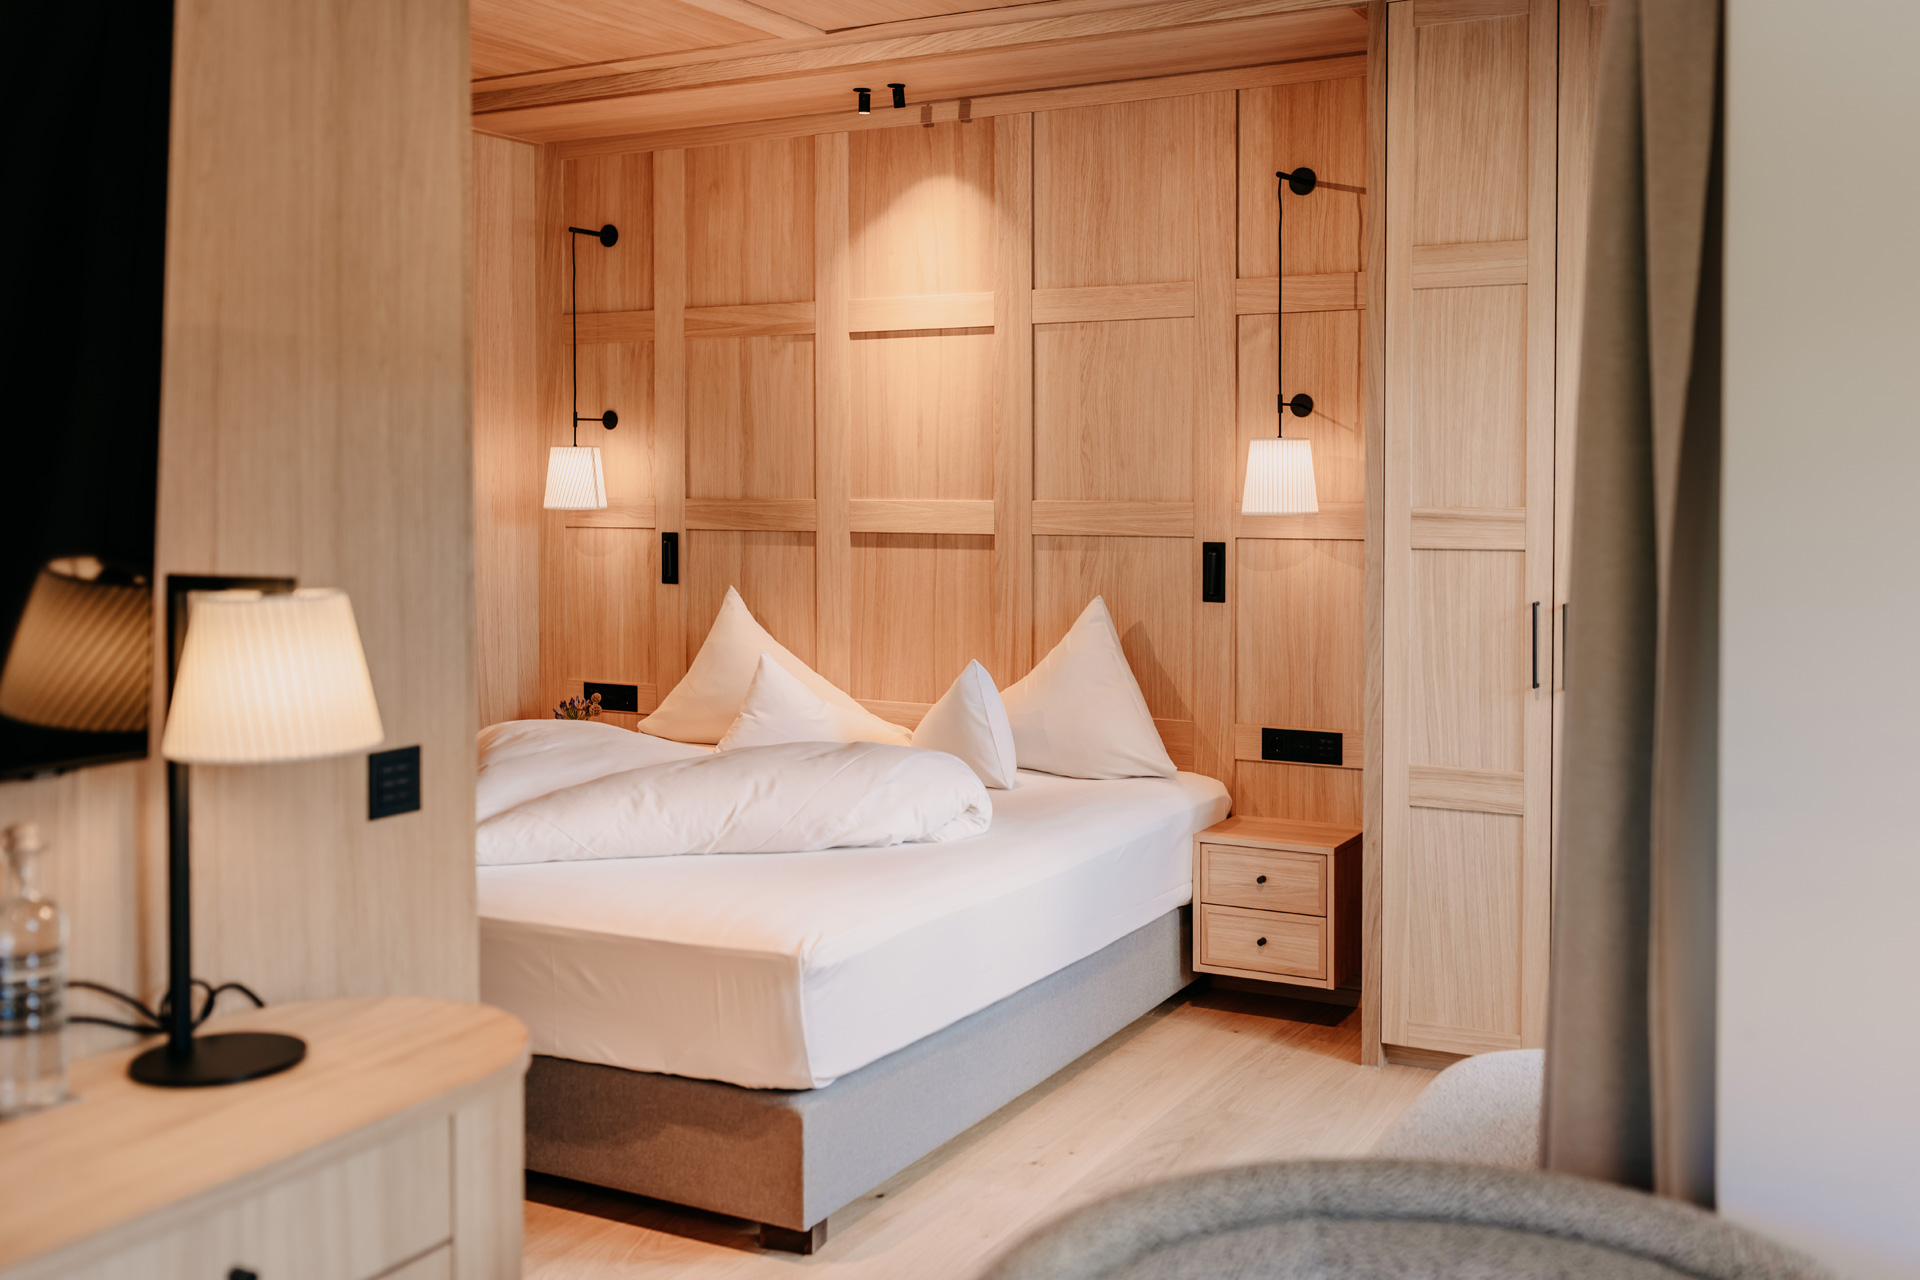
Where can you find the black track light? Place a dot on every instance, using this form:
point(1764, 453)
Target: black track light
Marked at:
point(866, 101)
point(899, 95)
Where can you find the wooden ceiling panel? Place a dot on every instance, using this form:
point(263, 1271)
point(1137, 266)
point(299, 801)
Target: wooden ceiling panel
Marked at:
point(511, 37)
point(838, 15)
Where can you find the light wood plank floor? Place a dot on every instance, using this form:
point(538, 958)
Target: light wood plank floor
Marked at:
point(1209, 1079)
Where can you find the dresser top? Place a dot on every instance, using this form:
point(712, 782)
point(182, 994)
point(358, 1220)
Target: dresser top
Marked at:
point(122, 1150)
point(1280, 833)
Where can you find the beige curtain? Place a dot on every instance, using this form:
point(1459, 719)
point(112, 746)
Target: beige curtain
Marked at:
point(1630, 1041)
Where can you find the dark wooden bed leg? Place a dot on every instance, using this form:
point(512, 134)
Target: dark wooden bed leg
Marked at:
point(787, 1240)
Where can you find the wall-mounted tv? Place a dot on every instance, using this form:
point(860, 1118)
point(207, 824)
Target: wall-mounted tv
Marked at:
point(85, 228)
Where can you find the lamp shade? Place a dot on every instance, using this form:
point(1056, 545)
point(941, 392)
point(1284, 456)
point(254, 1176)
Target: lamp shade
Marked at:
point(271, 677)
point(575, 480)
point(81, 655)
point(1279, 479)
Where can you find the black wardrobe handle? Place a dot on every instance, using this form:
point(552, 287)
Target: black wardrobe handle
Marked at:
point(1536, 644)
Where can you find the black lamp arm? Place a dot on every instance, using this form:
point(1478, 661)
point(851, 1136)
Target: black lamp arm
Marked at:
point(1302, 182)
point(608, 236)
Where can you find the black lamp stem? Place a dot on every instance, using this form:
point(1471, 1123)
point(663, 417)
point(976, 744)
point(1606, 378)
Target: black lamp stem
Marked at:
point(179, 915)
point(1302, 180)
point(608, 235)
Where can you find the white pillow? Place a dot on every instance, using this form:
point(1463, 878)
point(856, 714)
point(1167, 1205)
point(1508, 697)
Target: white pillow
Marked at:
point(779, 709)
point(970, 721)
point(1079, 713)
point(706, 702)
point(523, 759)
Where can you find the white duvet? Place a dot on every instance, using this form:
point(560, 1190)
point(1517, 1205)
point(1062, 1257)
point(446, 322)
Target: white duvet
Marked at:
point(566, 806)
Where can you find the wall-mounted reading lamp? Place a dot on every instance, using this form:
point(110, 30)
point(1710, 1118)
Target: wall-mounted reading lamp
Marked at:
point(1280, 471)
point(575, 479)
point(864, 98)
point(866, 101)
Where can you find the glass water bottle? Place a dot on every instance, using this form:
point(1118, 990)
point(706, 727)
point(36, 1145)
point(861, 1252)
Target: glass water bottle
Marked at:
point(33, 983)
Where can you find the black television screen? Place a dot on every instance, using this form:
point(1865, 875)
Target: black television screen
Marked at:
point(85, 221)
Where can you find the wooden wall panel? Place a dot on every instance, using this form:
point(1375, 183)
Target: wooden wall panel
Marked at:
point(1322, 125)
point(1323, 359)
point(1464, 951)
point(1113, 194)
point(923, 415)
point(1150, 588)
point(1469, 410)
point(1113, 411)
point(750, 417)
point(921, 211)
point(606, 630)
point(922, 610)
point(619, 376)
point(617, 190)
point(1266, 789)
point(1469, 659)
point(749, 221)
point(1300, 619)
point(1471, 173)
point(773, 572)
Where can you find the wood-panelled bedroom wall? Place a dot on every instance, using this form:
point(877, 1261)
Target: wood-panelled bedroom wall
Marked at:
point(921, 392)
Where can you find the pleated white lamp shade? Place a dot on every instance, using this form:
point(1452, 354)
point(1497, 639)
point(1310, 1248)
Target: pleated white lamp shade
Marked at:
point(271, 677)
point(81, 654)
point(575, 480)
point(1279, 479)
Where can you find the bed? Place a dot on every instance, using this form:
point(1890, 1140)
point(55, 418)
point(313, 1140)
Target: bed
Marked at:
point(771, 1035)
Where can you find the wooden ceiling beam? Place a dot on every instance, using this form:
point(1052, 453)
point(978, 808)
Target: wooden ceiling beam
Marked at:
point(748, 14)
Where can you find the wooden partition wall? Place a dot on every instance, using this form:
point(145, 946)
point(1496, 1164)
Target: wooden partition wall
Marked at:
point(921, 392)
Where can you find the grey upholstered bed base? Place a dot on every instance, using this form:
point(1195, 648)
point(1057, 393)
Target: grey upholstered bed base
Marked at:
point(790, 1158)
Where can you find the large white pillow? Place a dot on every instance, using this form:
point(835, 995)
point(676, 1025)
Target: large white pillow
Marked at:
point(970, 721)
point(1080, 714)
point(522, 759)
point(706, 702)
point(779, 709)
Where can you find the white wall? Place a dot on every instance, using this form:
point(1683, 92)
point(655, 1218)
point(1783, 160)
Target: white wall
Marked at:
point(1820, 745)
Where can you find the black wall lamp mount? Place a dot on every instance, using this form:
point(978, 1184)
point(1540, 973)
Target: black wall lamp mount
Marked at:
point(899, 96)
point(608, 236)
point(863, 98)
point(865, 101)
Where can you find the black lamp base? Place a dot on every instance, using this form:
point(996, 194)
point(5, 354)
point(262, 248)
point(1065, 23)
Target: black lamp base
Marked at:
point(222, 1059)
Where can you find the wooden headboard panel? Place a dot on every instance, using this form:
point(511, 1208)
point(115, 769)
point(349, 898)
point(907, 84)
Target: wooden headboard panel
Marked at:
point(921, 391)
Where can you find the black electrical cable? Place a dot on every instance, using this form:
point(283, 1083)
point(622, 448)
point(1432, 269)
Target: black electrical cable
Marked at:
point(156, 1019)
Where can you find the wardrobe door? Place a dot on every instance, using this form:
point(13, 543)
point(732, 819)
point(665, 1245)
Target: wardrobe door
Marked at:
point(1466, 826)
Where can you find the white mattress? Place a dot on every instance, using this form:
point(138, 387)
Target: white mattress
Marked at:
point(790, 970)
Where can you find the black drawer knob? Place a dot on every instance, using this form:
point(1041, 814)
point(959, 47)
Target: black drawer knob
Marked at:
point(1259, 879)
point(1261, 943)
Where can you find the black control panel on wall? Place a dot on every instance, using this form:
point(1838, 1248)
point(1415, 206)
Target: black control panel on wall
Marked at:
point(1301, 746)
point(393, 782)
point(1213, 573)
point(613, 697)
point(670, 559)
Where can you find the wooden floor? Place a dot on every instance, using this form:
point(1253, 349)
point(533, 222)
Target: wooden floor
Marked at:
point(1214, 1078)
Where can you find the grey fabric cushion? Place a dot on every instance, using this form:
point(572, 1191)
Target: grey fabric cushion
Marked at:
point(1379, 1218)
point(1480, 1110)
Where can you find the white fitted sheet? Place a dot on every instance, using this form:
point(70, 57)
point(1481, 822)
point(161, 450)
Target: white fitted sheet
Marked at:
point(790, 970)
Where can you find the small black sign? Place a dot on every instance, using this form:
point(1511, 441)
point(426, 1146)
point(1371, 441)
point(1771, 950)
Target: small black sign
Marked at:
point(393, 782)
point(1301, 746)
point(613, 697)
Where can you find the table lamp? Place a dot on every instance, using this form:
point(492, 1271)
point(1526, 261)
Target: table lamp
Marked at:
point(262, 678)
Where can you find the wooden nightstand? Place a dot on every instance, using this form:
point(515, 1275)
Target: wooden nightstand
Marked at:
point(1278, 901)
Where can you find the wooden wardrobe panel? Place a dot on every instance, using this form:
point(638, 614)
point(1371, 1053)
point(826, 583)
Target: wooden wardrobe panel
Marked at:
point(1469, 659)
point(921, 211)
point(1320, 124)
point(1470, 174)
point(1149, 587)
point(750, 417)
point(772, 571)
point(1469, 409)
point(1304, 792)
point(750, 222)
point(1113, 194)
point(606, 628)
point(922, 610)
point(923, 414)
point(617, 190)
point(1461, 974)
point(1300, 632)
point(1113, 411)
point(1323, 360)
point(619, 376)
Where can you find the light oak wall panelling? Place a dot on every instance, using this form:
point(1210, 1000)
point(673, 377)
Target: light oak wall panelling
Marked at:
point(1151, 586)
point(617, 190)
point(1113, 411)
point(922, 610)
point(750, 406)
point(773, 571)
point(509, 458)
point(1013, 550)
point(1471, 265)
point(1312, 793)
point(1323, 359)
point(606, 630)
point(1216, 442)
point(833, 409)
point(1372, 1052)
point(1301, 620)
point(1113, 194)
point(923, 415)
point(321, 159)
point(671, 609)
point(1320, 124)
point(749, 210)
point(921, 213)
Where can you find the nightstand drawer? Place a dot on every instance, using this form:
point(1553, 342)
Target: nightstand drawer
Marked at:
point(1264, 942)
point(1263, 879)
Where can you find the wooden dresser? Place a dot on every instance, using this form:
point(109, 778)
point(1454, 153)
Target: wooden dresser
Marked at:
point(1278, 901)
point(393, 1150)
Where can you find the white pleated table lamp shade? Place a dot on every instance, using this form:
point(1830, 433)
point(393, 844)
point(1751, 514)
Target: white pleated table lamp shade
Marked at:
point(81, 654)
point(1279, 478)
point(575, 480)
point(271, 677)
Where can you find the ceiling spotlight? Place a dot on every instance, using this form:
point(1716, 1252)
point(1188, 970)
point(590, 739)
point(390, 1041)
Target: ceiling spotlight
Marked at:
point(866, 101)
point(899, 94)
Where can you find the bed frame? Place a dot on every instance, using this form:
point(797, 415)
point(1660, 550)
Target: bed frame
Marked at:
point(789, 1158)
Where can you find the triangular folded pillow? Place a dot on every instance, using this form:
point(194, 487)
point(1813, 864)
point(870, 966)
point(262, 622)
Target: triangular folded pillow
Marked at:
point(1079, 713)
point(706, 702)
point(779, 709)
point(970, 721)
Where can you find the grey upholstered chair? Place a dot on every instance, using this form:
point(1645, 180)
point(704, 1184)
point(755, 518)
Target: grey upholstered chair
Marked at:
point(1392, 1220)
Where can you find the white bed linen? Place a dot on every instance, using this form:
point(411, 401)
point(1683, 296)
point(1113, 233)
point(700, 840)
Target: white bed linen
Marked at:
point(790, 970)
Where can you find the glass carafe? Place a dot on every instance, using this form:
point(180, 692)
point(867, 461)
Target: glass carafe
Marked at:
point(33, 983)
